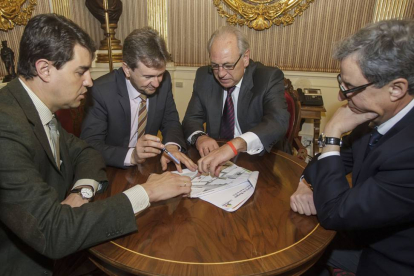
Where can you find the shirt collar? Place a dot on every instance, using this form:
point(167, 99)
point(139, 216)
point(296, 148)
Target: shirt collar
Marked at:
point(132, 92)
point(386, 126)
point(44, 112)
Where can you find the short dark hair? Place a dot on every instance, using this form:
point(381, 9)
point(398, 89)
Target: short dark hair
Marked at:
point(384, 51)
point(52, 37)
point(147, 46)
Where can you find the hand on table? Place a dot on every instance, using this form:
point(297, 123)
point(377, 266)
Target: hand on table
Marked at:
point(166, 185)
point(147, 146)
point(214, 160)
point(173, 149)
point(302, 200)
point(205, 145)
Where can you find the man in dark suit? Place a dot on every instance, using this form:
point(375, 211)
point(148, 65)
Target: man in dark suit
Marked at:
point(377, 80)
point(45, 171)
point(238, 99)
point(112, 124)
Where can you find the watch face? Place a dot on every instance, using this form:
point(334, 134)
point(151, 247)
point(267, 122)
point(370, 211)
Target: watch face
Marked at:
point(86, 193)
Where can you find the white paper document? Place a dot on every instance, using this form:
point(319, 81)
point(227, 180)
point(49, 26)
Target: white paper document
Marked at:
point(234, 186)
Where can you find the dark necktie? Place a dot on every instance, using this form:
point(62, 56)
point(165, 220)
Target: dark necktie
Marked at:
point(373, 140)
point(227, 120)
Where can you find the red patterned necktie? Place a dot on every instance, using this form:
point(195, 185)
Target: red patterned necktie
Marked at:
point(227, 119)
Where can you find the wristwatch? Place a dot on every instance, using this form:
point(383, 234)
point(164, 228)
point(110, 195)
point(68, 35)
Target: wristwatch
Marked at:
point(195, 137)
point(323, 141)
point(85, 192)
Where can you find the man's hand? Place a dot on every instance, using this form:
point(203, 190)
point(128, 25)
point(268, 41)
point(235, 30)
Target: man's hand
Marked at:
point(147, 146)
point(74, 200)
point(346, 119)
point(205, 145)
point(212, 163)
point(166, 185)
point(302, 200)
point(173, 149)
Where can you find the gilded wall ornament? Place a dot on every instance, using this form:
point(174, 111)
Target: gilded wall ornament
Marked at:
point(11, 13)
point(262, 14)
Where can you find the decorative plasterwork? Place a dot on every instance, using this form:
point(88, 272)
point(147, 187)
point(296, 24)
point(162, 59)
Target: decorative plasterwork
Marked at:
point(12, 13)
point(262, 14)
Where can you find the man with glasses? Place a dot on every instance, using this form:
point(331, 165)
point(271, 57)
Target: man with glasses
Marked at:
point(238, 100)
point(374, 218)
point(131, 104)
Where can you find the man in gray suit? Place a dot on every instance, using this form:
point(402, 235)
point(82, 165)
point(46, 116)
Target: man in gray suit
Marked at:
point(112, 125)
point(238, 99)
point(44, 173)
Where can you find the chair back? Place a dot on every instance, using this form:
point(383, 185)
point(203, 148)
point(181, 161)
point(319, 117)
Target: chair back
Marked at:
point(71, 119)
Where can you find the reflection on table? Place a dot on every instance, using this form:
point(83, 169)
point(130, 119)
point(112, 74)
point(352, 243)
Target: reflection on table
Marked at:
point(185, 236)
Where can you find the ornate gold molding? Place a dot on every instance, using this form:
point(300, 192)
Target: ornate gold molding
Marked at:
point(262, 14)
point(11, 13)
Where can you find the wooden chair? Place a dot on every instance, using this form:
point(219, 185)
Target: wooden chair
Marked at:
point(292, 134)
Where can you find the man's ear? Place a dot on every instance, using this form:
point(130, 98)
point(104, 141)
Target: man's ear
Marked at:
point(43, 68)
point(246, 58)
point(398, 88)
point(126, 69)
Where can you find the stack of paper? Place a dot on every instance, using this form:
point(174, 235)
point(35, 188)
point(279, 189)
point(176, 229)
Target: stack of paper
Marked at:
point(234, 186)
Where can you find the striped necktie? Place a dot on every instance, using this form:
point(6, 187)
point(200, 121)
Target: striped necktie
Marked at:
point(54, 136)
point(227, 119)
point(142, 116)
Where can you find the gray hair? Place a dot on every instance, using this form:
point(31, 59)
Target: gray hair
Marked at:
point(384, 51)
point(242, 42)
point(147, 46)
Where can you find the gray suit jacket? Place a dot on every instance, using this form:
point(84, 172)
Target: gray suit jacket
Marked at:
point(34, 227)
point(107, 123)
point(261, 106)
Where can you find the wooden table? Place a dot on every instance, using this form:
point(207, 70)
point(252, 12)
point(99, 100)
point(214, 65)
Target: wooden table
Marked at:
point(313, 112)
point(186, 236)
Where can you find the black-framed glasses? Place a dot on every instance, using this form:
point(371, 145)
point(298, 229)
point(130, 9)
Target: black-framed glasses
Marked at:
point(345, 91)
point(225, 66)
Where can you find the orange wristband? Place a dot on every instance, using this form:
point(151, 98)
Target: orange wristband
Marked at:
point(232, 147)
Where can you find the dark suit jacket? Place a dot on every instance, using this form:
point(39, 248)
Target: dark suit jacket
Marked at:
point(261, 106)
point(379, 209)
point(107, 123)
point(34, 227)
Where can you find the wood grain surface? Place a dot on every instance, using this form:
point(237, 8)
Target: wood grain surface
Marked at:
point(186, 236)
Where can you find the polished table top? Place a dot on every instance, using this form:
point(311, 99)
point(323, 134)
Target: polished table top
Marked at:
point(187, 236)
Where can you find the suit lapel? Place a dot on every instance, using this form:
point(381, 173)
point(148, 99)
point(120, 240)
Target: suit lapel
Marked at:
point(32, 116)
point(363, 165)
point(245, 94)
point(122, 91)
point(216, 106)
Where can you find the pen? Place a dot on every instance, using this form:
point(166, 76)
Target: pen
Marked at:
point(172, 156)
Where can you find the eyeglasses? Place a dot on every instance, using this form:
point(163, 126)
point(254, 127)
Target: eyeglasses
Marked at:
point(345, 91)
point(225, 66)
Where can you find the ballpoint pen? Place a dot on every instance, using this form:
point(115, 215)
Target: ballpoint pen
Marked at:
point(172, 156)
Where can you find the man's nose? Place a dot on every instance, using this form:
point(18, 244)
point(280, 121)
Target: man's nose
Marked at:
point(221, 72)
point(87, 82)
point(155, 82)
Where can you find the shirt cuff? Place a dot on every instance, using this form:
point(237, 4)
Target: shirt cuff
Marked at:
point(138, 197)
point(327, 154)
point(195, 132)
point(172, 143)
point(127, 161)
point(254, 145)
point(87, 182)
